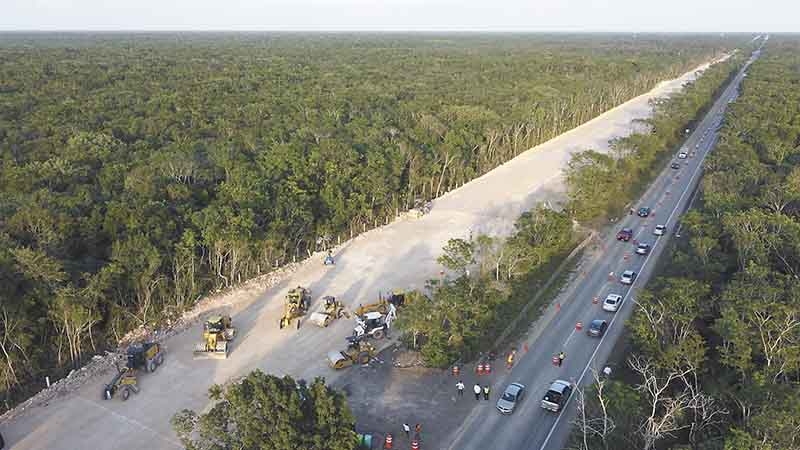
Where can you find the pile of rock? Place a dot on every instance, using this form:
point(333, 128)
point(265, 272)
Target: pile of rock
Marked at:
point(99, 364)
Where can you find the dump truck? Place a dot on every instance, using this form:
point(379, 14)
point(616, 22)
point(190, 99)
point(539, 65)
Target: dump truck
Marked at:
point(217, 332)
point(147, 356)
point(330, 310)
point(358, 351)
point(295, 306)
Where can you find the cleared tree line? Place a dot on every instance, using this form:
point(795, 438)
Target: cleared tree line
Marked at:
point(491, 279)
point(140, 172)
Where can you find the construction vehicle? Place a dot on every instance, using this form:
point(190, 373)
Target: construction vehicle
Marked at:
point(147, 356)
point(396, 298)
point(374, 324)
point(217, 332)
point(295, 305)
point(358, 352)
point(331, 310)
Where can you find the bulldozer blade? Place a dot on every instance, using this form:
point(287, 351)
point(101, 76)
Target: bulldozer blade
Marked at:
point(210, 355)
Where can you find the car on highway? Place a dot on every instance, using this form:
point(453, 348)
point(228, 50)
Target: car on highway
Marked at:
point(682, 155)
point(511, 396)
point(597, 328)
point(644, 211)
point(557, 395)
point(660, 230)
point(625, 234)
point(627, 277)
point(612, 302)
point(675, 165)
point(643, 248)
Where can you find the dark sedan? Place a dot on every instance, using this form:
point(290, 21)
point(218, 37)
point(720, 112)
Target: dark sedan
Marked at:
point(644, 211)
point(597, 328)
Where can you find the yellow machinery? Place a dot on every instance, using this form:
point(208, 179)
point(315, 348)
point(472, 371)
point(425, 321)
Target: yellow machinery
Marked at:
point(331, 310)
point(217, 332)
point(147, 356)
point(396, 298)
point(358, 352)
point(296, 305)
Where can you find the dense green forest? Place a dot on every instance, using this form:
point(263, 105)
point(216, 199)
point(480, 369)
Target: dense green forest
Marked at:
point(467, 312)
point(137, 172)
point(715, 339)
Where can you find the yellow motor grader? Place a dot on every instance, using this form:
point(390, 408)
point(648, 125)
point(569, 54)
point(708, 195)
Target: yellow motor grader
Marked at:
point(217, 332)
point(295, 306)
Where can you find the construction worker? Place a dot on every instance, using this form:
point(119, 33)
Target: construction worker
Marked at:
point(561, 357)
point(407, 429)
point(460, 387)
point(477, 390)
point(510, 360)
point(486, 392)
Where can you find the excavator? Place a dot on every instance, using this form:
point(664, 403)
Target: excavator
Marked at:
point(217, 332)
point(396, 297)
point(295, 305)
point(147, 356)
point(330, 310)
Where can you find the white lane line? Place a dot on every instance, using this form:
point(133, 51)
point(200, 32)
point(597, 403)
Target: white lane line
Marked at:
point(630, 290)
point(564, 345)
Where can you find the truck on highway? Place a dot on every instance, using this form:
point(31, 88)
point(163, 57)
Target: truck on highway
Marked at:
point(557, 395)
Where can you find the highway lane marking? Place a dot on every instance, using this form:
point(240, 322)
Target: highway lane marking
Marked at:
point(624, 299)
point(133, 422)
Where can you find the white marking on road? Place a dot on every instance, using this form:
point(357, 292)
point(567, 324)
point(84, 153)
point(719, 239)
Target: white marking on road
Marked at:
point(568, 338)
point(602, 338)
point(133, 422)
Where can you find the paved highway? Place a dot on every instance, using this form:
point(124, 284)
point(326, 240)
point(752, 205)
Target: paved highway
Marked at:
point(530, 426)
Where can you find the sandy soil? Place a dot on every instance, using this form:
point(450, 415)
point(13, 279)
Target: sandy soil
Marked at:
point(399, 255)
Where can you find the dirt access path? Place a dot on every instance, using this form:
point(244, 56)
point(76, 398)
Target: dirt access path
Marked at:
point(399, 255)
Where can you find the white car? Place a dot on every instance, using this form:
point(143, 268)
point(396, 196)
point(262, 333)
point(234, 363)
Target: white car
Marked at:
point(612, 302)
point(682, 155)
point(642, 248)
point(627, 277)
point(660, 230)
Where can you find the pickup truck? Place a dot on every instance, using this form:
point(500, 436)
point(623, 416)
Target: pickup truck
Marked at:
point(556, 397)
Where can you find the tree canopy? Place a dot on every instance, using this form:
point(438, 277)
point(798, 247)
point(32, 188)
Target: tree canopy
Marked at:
point(716, 338)
point(264, 412)
point(139, 172)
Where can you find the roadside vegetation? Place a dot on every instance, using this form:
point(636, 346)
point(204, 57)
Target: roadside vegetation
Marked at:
point(266, 412)
point(138, 173)
point(715, 339)
point(488, 284)
point(465, 313)
point(601, 185)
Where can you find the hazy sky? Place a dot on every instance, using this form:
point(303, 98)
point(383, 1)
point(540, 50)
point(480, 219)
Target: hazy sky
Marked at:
point(534, 15)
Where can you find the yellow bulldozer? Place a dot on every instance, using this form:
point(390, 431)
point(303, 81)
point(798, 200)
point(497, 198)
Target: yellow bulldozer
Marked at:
point(295, 306)
point(330, 310)
point(217, 332)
